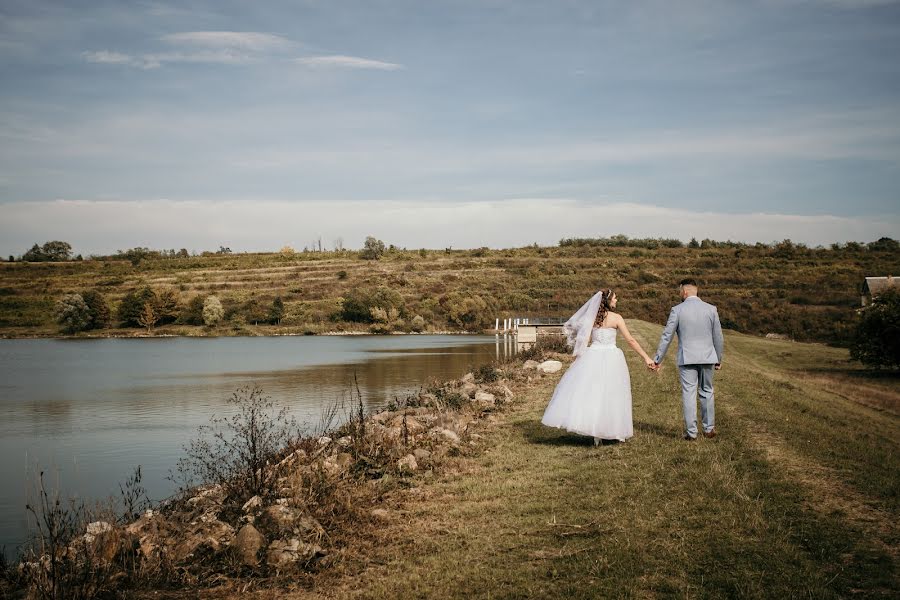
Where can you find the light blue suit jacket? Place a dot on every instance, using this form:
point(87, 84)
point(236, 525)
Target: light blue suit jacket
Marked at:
point(700, 340)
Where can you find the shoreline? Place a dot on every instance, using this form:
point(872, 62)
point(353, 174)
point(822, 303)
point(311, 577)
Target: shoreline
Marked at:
point(48, 336)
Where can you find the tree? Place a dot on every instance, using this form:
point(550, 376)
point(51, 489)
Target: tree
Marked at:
point(276, 313)
point(57, 250)
point(418, 323)
point(99, 309)
point(468, 312)
point(148, 316)
point(132, 305)
point(193, 312)
point(693, 243)
point(166, 306)
point(357, 305)
point(212, 311)
point(72, 314)
point(877, 340)
point(385, 320)
point(884, 244)
point(373, 249)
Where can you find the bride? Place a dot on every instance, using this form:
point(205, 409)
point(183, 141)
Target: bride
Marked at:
point(594, 396)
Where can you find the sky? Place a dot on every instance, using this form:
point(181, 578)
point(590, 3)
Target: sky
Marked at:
point(446, 123)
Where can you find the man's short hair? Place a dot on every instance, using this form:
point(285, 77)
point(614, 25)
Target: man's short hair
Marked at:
point(688, 281)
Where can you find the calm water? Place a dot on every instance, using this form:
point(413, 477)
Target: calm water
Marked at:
point(88, 411)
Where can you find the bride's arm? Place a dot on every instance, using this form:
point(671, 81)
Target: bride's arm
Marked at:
point(620, 325)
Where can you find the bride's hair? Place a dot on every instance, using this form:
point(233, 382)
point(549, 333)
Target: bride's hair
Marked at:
point(604, 307)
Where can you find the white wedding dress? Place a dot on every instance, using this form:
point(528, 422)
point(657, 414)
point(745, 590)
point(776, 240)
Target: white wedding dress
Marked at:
point(594, 396)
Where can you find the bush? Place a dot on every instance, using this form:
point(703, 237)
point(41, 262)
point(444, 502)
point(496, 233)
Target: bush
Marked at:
point(235, 451)
point(132, 306)
point(50, 251)
point(467, 312)
point(212, 311)
point(72, 313)
point(357, 305)
point(99, 309)
point(276, 313)
point(418, 323)
point(877, 340)
point(373, 249)
point(192, 314)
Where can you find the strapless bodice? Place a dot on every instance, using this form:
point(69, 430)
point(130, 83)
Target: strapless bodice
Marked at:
point(603, 336)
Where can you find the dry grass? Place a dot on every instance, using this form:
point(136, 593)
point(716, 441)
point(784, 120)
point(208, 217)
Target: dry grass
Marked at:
point(797, 497)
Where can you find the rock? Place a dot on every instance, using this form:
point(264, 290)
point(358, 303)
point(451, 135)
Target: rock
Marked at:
point(283, 553)
point(777, 336)
point(324, 440)
point(212, 535)
point(504, 391)
point(549, 366)
point(485, 399)
point(421, 454)
point(247, 544)
point(252, 504)
point(445, 435)
point(428, 399)
point(468, 378)
point(530, 364)
point(413, 425)
point(469, 389)
point(381, 514)
point(98, 527)
point(335, 465)
point(345, 442)
point(280, 520)
point(407, 463)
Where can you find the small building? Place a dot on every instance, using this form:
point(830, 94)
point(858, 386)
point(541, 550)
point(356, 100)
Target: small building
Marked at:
point(874, 286)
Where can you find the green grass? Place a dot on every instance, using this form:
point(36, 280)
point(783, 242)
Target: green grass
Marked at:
point(796, 498)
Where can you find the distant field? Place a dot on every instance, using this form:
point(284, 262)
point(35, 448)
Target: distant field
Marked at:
point(808, 294)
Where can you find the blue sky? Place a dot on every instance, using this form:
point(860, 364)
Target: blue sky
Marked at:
point(446, 123)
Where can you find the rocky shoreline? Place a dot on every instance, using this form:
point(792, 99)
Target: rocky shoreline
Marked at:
point(327, 489)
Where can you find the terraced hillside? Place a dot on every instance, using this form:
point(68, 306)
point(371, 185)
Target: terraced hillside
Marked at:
point(808, 294)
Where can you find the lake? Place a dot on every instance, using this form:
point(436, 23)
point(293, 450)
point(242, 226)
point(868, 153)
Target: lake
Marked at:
point(87, 412)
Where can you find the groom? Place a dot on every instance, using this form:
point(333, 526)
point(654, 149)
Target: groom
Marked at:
point(700, 350)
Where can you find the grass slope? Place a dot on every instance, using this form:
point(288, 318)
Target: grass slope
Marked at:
point(798, 497)
point(809, 294)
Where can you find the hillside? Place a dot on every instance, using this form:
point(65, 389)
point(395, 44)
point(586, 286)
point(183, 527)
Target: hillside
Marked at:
point(808, 294)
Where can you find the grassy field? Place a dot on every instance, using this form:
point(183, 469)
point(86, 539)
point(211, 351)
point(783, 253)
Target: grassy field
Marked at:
point(808, 294)
point(798, 497)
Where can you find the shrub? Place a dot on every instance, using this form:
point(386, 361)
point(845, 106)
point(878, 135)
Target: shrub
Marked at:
point(212, 311)
point(385, 320)
point(166, 306)
point(50, 251)
point(276, 313)
point(357, 305)
point(72, 313)
point(468, 312)
point(99, 309)
point(132, 305)
point(373, 249)
point(234, 451)
point(192, 314)
point(418, 323)
point(877, 340)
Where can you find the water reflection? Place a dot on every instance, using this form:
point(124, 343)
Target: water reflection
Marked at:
point(89, 411)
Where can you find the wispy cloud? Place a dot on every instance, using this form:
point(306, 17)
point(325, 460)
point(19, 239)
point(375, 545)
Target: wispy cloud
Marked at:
point(252, 41)
point(212, 47)
point(340, 61)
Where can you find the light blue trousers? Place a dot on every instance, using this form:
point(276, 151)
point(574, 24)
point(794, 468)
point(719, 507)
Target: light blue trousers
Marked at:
point(697, 380)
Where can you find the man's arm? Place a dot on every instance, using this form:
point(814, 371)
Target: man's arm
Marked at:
point(666, 337)
point(718, 338)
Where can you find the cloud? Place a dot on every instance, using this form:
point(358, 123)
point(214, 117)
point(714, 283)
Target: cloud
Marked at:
point(252, 41)
point(212, 47)
point(340, 61)
point(105, 226)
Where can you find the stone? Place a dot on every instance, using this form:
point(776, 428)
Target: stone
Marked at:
point(446, 435)
point(345, 442)
point(413, 425)
point(422, 454)
point(98, 527)
point(340, 463)
point(324, 440)
point(530, 364)
point(407, 463)
point(505, 392)
point(284, 553)
point(469, 389)
point(468, 378)
point(550, 366)
point(252, 504)
point(485, 398)
point(213, 535)
point(247, 544)
point(278, 519)
point(428, 399)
